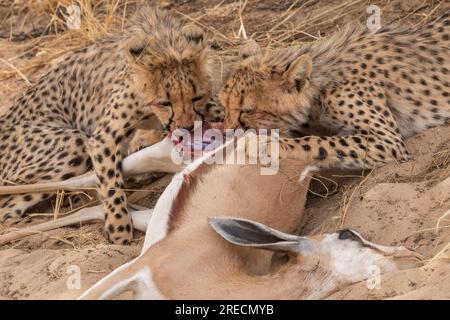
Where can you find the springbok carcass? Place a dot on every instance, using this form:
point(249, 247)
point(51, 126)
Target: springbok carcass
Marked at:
point(205, 236)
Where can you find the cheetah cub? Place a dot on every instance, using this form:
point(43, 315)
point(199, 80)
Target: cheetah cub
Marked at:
point(85, 110)
point(368, 90)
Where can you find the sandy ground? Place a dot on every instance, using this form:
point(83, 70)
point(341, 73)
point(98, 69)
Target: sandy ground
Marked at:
point(399, 204)
point(393, 206)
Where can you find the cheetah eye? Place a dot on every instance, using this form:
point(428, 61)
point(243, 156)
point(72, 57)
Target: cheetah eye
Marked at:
point(246, 109)
point(137, 51)
point(198, 98)
point(165, 103)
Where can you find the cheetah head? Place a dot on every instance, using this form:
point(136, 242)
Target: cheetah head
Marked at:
point(172, 73)
point(267, 90)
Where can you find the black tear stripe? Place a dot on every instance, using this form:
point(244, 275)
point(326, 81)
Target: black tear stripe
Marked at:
point(172, 111)
point(170, 119)
point(194, 88)
point(241, 101)
point(240, 121)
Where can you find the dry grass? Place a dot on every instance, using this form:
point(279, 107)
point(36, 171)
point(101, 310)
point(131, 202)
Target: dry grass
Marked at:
point(273, 24)
point(99, 19)
point(440, 168)
point(289, 23)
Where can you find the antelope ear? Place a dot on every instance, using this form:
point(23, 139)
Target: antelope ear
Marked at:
point(249, 233)
point(193, 34)
point(299, 71)
point(249, 49)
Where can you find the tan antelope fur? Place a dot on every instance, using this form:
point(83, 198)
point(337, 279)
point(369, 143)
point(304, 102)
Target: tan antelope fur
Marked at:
point(183, 258)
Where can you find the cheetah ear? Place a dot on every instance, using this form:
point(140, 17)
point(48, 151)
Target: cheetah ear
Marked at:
point(194, 34)
point(136, 46)
point(249, 49)
point(299, 71)
point(142, 64)
point(197, 45)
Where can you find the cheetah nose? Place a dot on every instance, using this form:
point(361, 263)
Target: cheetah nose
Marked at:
point(188, 127)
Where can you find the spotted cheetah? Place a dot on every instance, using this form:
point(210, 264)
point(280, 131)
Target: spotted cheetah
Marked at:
point(363, 91)
point(85, 110)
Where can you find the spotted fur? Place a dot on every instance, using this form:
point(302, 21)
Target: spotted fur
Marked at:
point(85, 110)
point(365, 92)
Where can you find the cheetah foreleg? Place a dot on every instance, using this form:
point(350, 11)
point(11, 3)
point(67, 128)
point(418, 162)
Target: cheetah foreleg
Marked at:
point(348, 152)
point(139, 218)
point(155, 158)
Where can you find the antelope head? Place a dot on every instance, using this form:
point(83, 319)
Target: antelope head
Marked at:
point(326, 262)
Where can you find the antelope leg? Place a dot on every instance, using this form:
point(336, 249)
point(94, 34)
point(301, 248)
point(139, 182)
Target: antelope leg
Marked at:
point(155, 158)
point(87, 180)
point(86, 214)
point(140, 221)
